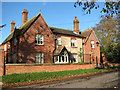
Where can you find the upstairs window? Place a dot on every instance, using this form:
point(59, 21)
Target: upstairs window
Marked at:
point(92, 44)
point(39, 39)
point(39, 58)
point(73, 43)
point(59, 41)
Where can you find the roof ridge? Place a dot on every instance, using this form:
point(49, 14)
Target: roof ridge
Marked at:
point(87, 30)
point(27, 22)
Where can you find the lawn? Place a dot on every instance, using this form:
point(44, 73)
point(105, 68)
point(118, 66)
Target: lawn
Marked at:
point(16, 78)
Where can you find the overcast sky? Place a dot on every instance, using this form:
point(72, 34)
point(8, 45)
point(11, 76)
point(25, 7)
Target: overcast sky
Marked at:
point(56, 14)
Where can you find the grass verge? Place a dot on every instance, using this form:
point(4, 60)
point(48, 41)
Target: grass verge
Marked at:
point(27, 77)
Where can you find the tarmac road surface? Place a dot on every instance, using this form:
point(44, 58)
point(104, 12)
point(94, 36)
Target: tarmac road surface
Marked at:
point(108, 80)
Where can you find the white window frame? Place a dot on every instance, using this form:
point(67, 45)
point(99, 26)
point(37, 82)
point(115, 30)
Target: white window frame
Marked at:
point(39, 57)
point(76, 58)
point(92, 44)
point(73, 43)
point(64, 55)
point(56, 59)
point(14, 58)
point(39, 39)
point(58, 40)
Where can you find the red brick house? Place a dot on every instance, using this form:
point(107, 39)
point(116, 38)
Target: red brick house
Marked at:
point(35, 42)
point(91, 47)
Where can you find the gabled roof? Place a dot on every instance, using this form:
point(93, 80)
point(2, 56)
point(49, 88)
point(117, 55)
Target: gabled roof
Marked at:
point(86, 33)
point(65, 32)
point(21, 29)
point(59, 50)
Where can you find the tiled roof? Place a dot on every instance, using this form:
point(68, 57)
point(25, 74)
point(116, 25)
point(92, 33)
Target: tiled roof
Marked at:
point(58, 50)
point(65, 32)
point(21, 29)
point(8, 38)
point(86, 33)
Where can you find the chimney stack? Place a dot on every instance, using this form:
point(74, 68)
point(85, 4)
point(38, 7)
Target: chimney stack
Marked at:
point(76, 25)
point(24, 16)
point(12, 26)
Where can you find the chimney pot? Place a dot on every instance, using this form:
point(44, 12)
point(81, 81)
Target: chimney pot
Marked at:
point(24, 16)
point(76, 25)
point(75, 17)
point(12, 26)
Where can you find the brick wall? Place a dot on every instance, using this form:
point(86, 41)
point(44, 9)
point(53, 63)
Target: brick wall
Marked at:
point(95, 52)
point(1, 62)
point(10, 69)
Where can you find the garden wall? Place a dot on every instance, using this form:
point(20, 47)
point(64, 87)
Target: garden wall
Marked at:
point(12, 68)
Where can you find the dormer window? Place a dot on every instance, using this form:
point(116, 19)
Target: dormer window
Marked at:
point(59, 41)
point(39, 39)
point(73, 43)
point(92, 44)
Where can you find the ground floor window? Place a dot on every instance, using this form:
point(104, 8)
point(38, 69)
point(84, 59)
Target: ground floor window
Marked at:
point(39, 58)
point(62, 58)
point(75, 58)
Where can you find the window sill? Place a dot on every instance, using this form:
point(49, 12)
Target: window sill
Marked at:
point(73, 47)
point(39, 44)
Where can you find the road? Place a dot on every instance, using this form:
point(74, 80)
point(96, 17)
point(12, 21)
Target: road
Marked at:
point(105, 80)
point(109, 80)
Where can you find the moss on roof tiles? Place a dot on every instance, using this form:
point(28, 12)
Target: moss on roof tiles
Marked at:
point(21, 28)
point(65, 32)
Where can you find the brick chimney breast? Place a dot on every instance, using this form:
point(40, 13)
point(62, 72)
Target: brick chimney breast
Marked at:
point(76, 25)
point(12, 26)
point(24, 16)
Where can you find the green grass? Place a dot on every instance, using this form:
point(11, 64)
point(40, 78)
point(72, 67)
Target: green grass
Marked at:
point(16, 78)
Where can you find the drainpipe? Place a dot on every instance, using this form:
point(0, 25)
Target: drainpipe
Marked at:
point(83, 50)
point(4, 61)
